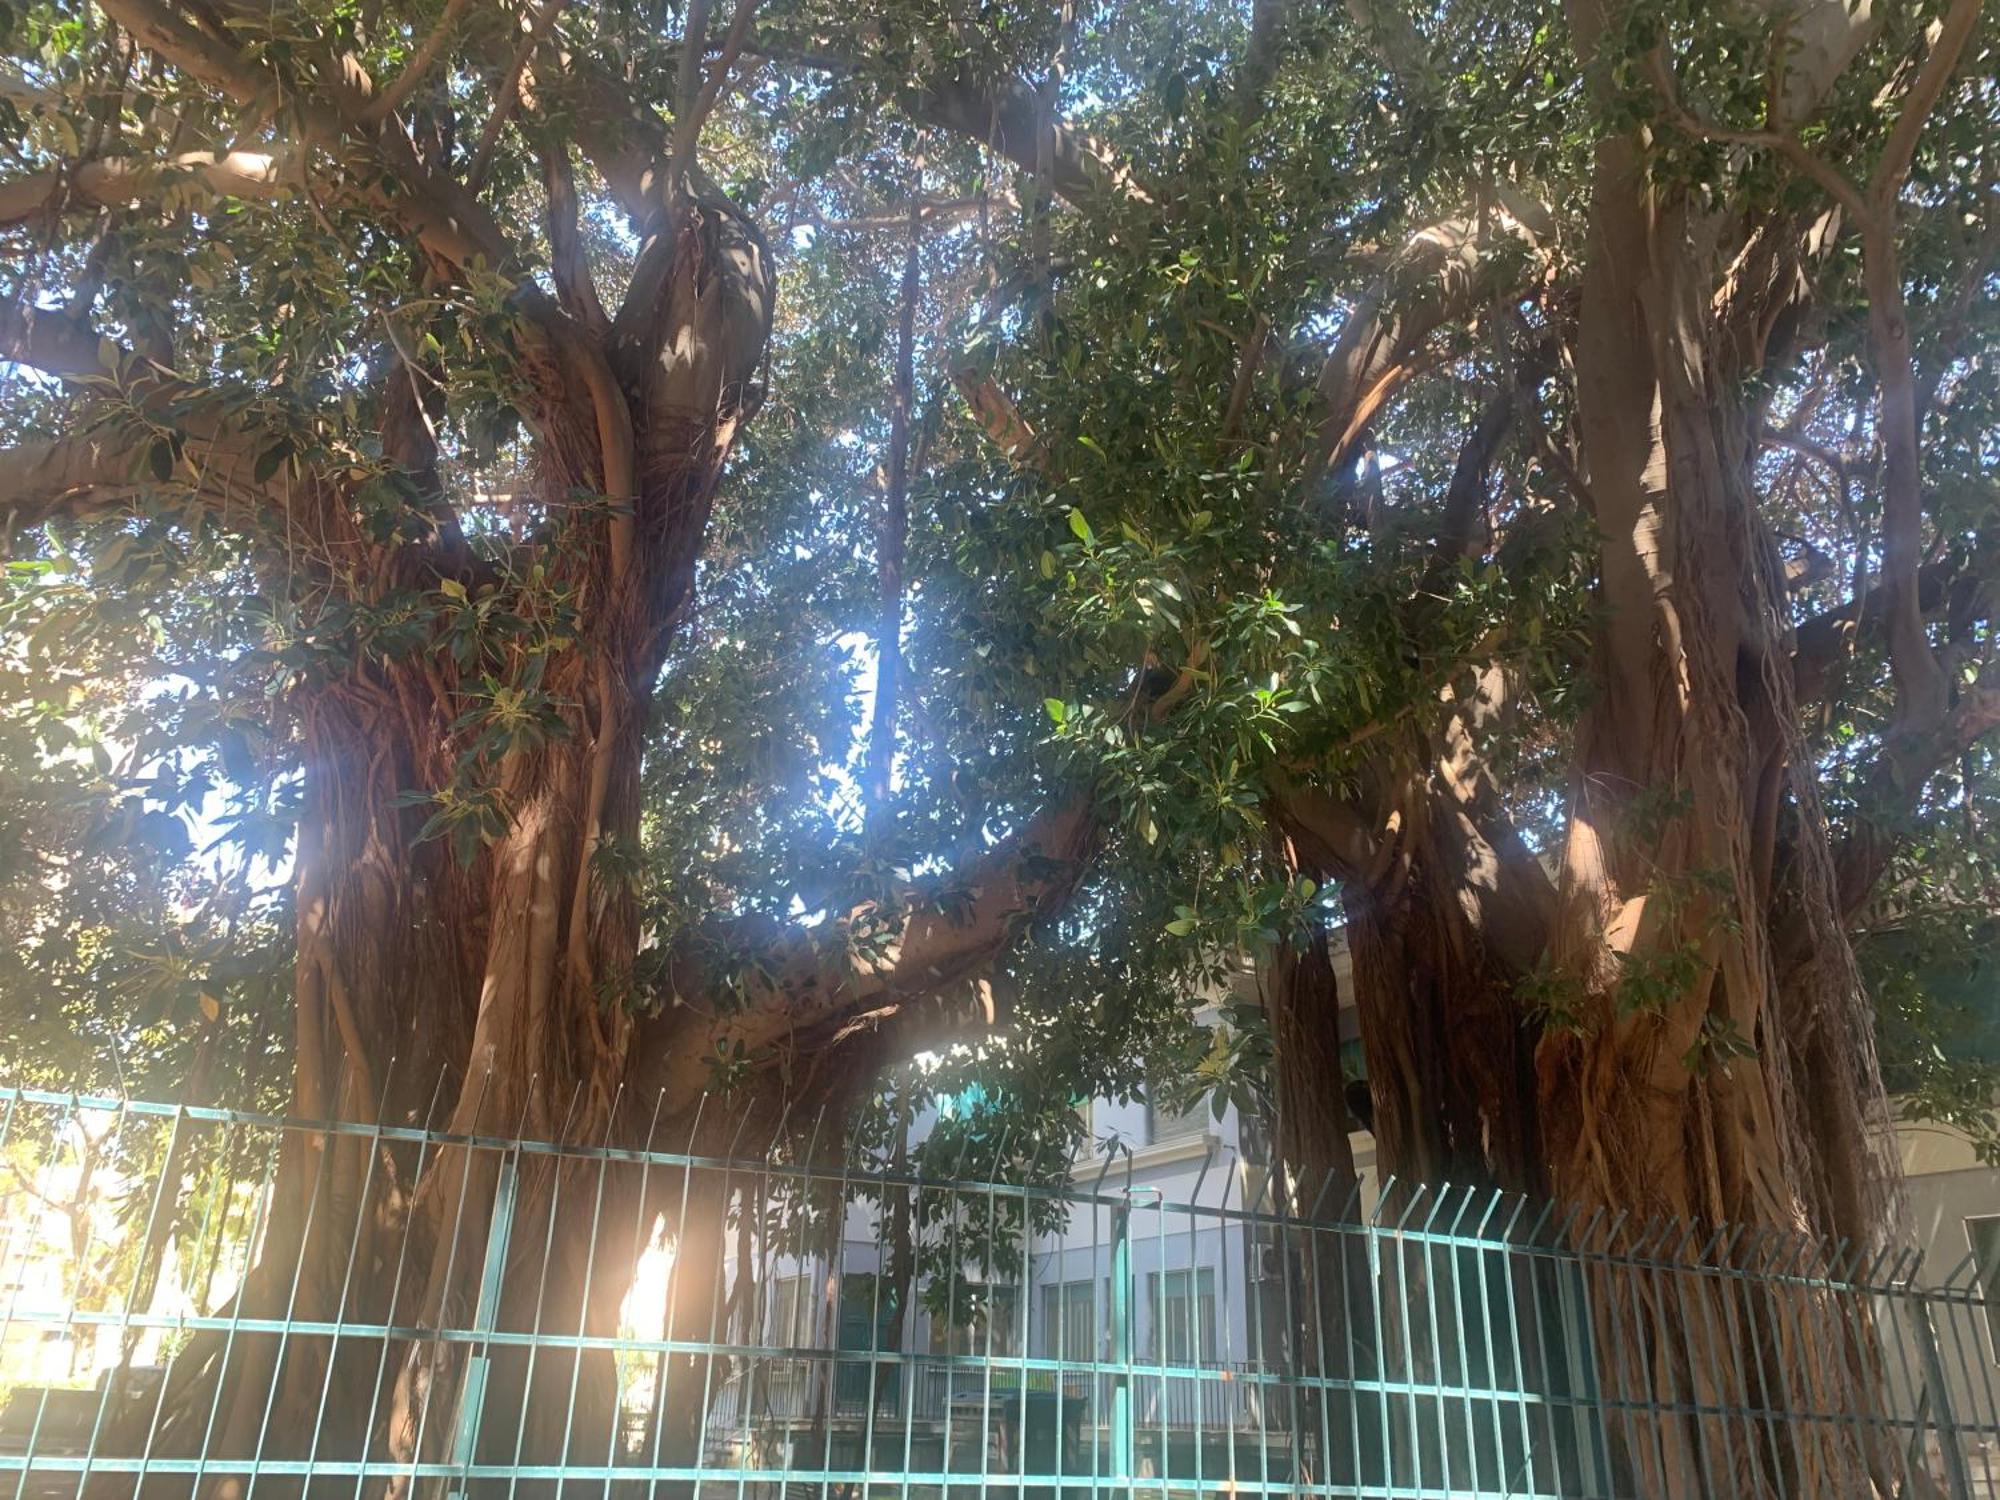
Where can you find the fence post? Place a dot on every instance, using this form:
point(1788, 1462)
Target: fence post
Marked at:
point(1957, 1476)
point(486, 1314)
point(1121, 1347)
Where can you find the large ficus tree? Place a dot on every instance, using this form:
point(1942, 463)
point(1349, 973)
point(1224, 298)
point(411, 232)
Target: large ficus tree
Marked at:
point(328, 296)
point(1512, 478)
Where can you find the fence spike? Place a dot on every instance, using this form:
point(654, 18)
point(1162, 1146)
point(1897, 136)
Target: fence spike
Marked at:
point(812, 1144)
point(1972, 1280)
point(1968, 1262)
point(1255, 1207)
point(1382, 1198)
point(742, 1124)
point(1314, 1214)
point(1103, 1171)
point(777, 1133)
point(1410, 1206)
point(479, 1099)
point(694, 1120)
point(1807, 1253)
point(1908, 1263)
point(437, 1093)
point(382, 1098)
point(1787, 1248)
point(1383, 1201)
point(1614, 1234)
point(569, 1115)
point(1464, 1207)
point(1589, 1231)
point(1207, 1161)
point(653, 1125)
point(611, 1114)
point(1494, 1198)
point(1647, 1230)
point(118, 1066)
point(1732, 1238)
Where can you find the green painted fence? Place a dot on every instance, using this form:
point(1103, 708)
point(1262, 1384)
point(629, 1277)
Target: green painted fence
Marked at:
point(199, 1301)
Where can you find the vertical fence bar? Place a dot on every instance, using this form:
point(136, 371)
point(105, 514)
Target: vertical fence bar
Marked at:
point(1958, 1478)
point(42, 1195)
point(485, 1318)
point(1974, 1364)
point(1120, 1457)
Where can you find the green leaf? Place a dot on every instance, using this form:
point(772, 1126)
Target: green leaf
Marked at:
point(1081, 527)
point(270, 458)
point(1058, 710)
point(1048, 563)
point(1181, 926)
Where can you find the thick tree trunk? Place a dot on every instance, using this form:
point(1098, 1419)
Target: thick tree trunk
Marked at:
point(1314, 1155)
point(1670, 1088)
point(1652, 1098)
point(494, 998)
point(1446, 914)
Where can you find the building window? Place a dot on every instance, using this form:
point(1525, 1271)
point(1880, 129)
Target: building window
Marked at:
point(1072, 1324)
point(1175, 1125)
point(982, 1321)
point(1983, 1235)
point(792, 1313)
point(868, 1323)
point(1183, 1309)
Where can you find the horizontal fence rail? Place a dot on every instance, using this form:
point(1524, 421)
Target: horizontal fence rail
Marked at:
point(207, 1301)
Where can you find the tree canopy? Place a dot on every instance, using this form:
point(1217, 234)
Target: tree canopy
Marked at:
point(960, 516)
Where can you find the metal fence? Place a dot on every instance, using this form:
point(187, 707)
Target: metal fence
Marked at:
point(207, 1301)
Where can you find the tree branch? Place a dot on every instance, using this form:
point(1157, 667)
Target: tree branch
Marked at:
point(687, 90)
point(567, 264)
point(1007, 118)
point(509, 97)
point(417, 68)
point(119, 181)
point(55, 343)
point(1260, 57)
point(1895, 788)
point(944, 936)
point(1394, 39)
point(1443, 276)
point(998, 415)
point(1825, 638)
point(1465, 498)
point(1893, 168)
point(385, 175)
point(718, 73)
point(96, 466)
point(890, 536)
point(76, 476)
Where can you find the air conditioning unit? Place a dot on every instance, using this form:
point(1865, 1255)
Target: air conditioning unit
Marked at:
point(1274, 1262)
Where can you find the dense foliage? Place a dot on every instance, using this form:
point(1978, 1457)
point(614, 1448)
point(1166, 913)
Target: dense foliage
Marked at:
point(1143, 554)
